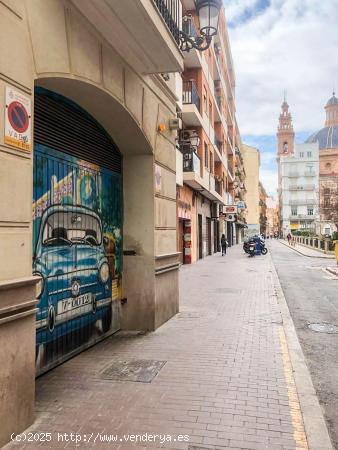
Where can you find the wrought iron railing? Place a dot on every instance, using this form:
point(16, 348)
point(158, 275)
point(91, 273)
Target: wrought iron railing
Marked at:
point(190, 94)
point(218, 144)
point(218, 187)
point(170, 10)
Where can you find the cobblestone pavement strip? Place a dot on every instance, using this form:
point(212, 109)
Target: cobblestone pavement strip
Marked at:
point(227, 382)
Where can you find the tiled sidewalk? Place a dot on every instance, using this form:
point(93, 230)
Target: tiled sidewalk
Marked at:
point(227, 382)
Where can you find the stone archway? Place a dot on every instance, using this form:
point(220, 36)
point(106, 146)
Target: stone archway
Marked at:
point(138, 194)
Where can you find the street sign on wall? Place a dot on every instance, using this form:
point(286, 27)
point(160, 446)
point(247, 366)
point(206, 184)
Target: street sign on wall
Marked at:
point(18, 120)
point(230, 209)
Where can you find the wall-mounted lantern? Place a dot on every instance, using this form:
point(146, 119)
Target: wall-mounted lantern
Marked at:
point(208, 13)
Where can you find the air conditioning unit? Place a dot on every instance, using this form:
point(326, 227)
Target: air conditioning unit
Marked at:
point(215, 210)
point(186, 135)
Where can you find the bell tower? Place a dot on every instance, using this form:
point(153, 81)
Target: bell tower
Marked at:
point(285, 133)
point(331, 109)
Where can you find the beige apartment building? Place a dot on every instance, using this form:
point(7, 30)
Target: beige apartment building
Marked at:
point(272, 223)
point(251, 158)
point(87, 181)
point(213, 176)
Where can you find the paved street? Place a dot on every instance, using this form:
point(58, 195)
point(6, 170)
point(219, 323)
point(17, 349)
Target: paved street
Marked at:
point(311, 294)
point(224, 375)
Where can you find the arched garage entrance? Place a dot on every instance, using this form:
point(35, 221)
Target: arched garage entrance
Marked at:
point(77, 229)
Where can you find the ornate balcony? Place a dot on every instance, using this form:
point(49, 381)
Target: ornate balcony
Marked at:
point(146, 31)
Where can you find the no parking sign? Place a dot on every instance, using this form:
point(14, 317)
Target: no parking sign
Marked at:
point(18, 130)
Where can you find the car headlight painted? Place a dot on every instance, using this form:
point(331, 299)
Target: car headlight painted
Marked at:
point(104, 272)
point(39, 285)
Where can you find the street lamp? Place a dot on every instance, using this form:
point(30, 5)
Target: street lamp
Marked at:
point(208, 12)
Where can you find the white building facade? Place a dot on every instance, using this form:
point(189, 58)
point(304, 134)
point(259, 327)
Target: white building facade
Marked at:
point(299, 189)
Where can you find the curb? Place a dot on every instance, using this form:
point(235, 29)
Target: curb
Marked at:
point(304, 254)
point(314, 423)
point(332, 270)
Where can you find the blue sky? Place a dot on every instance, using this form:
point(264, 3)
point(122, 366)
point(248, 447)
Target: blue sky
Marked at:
point(280, 45)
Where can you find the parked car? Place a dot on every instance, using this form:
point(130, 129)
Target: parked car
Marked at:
point(75, 290)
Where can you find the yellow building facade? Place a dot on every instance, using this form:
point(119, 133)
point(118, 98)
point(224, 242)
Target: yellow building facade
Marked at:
point(251, 160)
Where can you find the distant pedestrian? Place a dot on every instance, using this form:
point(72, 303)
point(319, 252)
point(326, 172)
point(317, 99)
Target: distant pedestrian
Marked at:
point(289, 237)
point(224, 244)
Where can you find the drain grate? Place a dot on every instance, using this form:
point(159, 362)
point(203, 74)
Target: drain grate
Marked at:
point(323, 328)
point(137, 370)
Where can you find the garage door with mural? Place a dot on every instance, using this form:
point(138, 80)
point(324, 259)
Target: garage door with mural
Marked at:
point(77, 230)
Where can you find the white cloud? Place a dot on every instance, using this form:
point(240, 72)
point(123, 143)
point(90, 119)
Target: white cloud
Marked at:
point(291, 45)
point(269, 178)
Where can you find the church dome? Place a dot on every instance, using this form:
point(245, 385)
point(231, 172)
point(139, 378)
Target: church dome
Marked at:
point(326, 137)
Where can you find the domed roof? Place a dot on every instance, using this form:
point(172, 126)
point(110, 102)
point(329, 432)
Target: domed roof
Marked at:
point(327, 137)
point(333, 100)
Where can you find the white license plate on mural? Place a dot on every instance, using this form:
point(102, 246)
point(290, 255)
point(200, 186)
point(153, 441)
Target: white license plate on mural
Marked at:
point(70, 304)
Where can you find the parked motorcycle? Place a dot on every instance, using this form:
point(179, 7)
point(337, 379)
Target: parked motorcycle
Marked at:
point(246, 246)
point(251, 248)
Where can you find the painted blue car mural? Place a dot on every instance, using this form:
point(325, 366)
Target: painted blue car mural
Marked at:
point(76, 282)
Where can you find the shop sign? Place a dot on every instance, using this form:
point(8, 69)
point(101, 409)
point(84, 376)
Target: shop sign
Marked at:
point(184, 209)
point(230, 209)
point(18, 120)
point(240, 205)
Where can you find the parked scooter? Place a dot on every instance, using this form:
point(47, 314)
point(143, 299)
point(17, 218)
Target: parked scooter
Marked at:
point(264, 250)
point(247, 244)
point(251, 248)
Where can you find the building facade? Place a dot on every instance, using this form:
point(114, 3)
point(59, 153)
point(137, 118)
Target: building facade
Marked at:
point(207, 142)
point(272, 223)
point(299, 189)
point(90, 227)
point(251, 162)
point(321, 187)
point(327, 138)
point(262, 209)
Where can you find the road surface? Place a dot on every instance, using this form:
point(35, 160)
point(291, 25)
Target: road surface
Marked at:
point(312, 297)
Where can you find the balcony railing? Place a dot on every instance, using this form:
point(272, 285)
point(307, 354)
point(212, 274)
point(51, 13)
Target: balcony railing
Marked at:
point(309, 173)
point(190, 94)
point(302, 216)
point(302, 187)
point(218, 144)
point(191, 162)
point(230, 168)
point(219, 102)
point(303, 201)
point(218, 187)
point(170, 10)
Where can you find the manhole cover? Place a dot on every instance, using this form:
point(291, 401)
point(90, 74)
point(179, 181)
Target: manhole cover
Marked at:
point(323, 328)
point(138, 370)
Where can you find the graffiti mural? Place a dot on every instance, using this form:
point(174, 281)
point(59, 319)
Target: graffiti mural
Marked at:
point(77, 252)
